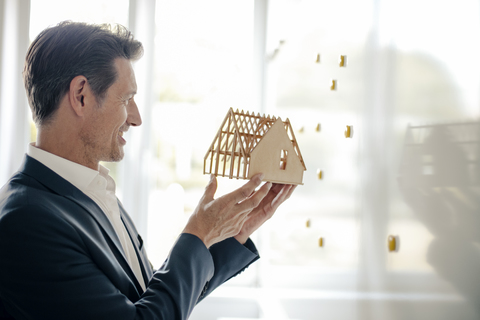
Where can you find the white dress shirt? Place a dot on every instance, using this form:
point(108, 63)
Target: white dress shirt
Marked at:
point(98, 186)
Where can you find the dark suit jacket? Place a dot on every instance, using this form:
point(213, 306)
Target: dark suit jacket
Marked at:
point(61, 259)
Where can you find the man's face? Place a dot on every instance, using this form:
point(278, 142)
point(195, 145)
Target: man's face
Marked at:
point(103, 135)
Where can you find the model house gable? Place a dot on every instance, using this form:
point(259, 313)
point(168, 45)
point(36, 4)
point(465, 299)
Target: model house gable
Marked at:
point(275, 156)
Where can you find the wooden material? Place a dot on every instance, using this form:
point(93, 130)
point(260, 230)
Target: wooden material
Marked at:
point(348, 132)
point(392, 243)
point(333, 86)
point(247, 144)
point(320, 242)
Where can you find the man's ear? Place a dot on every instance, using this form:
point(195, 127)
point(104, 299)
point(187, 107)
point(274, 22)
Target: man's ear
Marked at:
point(78, 94)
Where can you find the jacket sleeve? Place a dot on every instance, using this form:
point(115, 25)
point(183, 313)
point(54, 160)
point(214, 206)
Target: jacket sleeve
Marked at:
point(230, 258)
point(46, 272)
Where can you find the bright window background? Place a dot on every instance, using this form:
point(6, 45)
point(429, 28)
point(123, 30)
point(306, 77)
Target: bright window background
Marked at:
point(47, 13)
point(406, 65)
point(203, 67)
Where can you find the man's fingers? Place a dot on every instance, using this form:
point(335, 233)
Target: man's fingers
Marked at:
point(281, 196)
point(244, 191)
point(290, 191)
point(252, 202)
point(210, 189)
point(276, 188)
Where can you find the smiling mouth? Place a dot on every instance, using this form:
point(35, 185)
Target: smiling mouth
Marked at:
point(122, 140)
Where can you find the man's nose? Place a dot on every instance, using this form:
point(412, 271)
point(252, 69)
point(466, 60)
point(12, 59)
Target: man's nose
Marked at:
point(134, 118)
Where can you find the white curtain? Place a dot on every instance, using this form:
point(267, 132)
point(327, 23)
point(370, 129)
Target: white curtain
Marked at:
point(135, 169)
point(14, 114)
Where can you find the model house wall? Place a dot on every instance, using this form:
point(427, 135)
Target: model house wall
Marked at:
point(275, 156)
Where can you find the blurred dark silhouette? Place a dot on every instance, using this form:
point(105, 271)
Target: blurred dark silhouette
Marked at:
point(439, 179)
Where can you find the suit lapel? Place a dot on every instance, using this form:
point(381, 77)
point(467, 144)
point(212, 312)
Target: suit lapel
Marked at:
point(57, 184)
point(137, 244)
point(94, 210)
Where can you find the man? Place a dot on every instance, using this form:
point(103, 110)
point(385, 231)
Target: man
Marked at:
point(68, 249)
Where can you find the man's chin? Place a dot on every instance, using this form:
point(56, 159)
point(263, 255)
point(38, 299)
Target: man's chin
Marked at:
point(118, 158)
point(115, 156)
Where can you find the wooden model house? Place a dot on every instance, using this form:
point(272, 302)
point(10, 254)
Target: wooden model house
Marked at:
point(247, 144)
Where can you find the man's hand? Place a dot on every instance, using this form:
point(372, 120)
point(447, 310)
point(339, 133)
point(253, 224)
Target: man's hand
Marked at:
point(265, 210)
point(215, 220)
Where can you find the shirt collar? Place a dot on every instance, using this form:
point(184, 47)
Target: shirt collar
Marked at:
point(78, 175)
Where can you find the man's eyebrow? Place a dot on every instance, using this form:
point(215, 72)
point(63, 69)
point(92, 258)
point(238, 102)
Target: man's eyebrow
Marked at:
point(130, 93)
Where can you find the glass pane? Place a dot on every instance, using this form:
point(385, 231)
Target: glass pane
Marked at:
point(408, 88)
point(203, 67)
point(45, 13)
point(319, 92)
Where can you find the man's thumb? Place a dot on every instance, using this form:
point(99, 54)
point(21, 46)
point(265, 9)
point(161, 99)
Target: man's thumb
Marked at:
point(211, 187)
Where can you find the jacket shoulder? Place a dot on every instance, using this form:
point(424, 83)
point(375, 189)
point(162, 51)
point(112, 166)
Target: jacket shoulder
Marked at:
point(22, 190)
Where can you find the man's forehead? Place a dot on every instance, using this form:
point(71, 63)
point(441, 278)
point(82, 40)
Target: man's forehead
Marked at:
point(126, 75)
